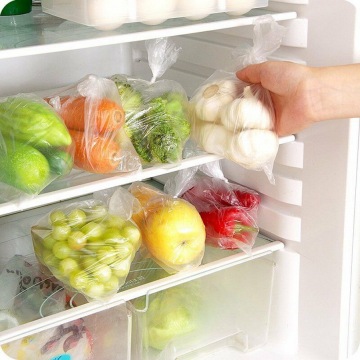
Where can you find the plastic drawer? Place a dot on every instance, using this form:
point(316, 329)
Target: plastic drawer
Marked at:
point(227, 309)
point(111, 14)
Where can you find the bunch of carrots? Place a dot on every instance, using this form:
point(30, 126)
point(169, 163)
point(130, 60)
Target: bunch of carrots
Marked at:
point(93, 125)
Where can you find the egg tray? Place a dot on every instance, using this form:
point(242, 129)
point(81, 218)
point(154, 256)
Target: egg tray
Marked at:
point(111, 14)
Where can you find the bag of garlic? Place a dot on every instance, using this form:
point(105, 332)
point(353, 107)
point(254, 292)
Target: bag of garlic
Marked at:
point(234, 119)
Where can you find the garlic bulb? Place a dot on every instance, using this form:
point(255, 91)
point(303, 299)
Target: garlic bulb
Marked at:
point(106, 15)
point(239, 7)
point(211, 97)
point(247, 112)
point(154, 12)
point(196, 10)
point(253, 148)
point(213, 138)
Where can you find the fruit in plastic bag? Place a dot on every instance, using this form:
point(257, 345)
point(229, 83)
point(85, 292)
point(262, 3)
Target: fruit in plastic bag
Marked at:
point(86, 247)
point(34, 122)
point(172, 229)
point(23, 167)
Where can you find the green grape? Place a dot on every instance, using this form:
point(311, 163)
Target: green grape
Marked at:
point(95, 289)
point(62, 250)
point(93, 230)
point(67, 266)
point(76, 218)
point(132, 233)
point(120, 268)
point(79, 280)
point(57, 216)
point(61, 231)
point(101, 272)
point(76, 240)
point(112, 285)
point(106, 254)
point(48, 242)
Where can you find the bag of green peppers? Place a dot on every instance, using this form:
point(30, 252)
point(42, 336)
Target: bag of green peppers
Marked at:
point(35, 146)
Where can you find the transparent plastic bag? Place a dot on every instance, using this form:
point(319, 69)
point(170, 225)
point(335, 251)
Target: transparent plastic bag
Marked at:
point(234, 119)
point(173, 233)
point(93, 113)
point(35, 146)
point(156, 111)
point(72, 340)
point(87, 247)
point(28, 293)
point(229, 211)
point(169, 317)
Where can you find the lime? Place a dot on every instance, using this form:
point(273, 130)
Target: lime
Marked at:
point(24, 167)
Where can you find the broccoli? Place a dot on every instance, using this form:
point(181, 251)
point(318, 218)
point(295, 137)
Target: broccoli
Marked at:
point(131, 99)
point(159, 130)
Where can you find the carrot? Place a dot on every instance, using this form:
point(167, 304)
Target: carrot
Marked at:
point(98, 154)
point(104, 114)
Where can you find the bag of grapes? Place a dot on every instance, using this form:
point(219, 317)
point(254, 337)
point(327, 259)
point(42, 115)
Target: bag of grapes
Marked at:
point(87, 247)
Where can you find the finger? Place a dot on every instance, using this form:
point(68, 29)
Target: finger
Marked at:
point(250, 74)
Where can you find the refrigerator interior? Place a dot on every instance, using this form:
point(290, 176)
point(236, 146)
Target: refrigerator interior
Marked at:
point(314, 309)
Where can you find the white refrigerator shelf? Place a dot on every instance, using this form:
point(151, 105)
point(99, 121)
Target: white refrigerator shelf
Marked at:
point(84, 183)
point(39, 33)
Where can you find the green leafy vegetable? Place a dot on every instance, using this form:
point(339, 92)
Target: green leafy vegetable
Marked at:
point(160, 131)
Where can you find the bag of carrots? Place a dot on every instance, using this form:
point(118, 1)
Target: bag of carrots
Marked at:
point(156, 118)
point(93, 113)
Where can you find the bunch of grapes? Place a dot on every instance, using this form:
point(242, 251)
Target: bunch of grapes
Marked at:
point(86, 247)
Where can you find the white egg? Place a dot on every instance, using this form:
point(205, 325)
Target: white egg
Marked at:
point(154, 12)
point(107, 14)
point(239, 7)
point(196, 9)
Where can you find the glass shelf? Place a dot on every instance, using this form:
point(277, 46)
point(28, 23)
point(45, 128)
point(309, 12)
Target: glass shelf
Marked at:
point(39, 33)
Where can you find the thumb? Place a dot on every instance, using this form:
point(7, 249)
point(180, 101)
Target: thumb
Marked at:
point(250, 74)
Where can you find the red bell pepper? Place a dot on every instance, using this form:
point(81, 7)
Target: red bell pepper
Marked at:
point(225, 226)
point(223, 197)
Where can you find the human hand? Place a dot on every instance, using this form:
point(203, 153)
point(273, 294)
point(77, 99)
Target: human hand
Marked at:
point(291, 91)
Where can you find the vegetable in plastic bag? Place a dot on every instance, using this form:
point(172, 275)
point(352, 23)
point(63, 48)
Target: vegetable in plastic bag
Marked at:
point(87, 247)
point(173, 233)
point(228, 210)
point(156, 112)
point(170, 315)
point(236, 120)
point(93, 113)
point(35, 146)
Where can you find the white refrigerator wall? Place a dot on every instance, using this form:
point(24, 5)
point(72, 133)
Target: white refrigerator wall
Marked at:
point(312, 206)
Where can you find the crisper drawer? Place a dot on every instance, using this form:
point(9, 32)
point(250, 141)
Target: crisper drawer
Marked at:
point(111, 14)
point(222, 314)
point(103, 335)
